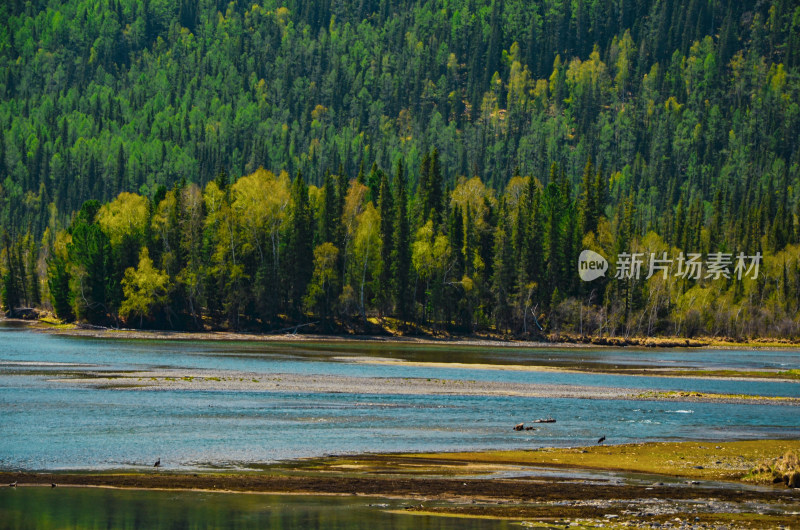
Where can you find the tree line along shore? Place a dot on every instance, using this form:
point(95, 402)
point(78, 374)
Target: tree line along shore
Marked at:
point(267, 253)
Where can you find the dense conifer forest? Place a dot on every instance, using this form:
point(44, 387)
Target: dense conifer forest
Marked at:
point(433, 165)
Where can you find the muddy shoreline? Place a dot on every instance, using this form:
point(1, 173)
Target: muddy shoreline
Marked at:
point(450, 484)
point(528, 489)
point(551, 341)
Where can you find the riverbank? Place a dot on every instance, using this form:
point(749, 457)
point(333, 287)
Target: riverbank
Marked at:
point(420, 336)
point(638, 484)
point(466, 345)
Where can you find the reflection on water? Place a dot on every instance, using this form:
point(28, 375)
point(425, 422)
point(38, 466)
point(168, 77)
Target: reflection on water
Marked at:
point(36, 507)
point(50, 424)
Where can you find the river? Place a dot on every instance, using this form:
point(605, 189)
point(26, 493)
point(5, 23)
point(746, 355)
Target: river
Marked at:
point(48, 423)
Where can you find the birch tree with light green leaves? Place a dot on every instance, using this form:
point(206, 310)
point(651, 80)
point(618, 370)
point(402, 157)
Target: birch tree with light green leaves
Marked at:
point(144, 289)
point(430, 254)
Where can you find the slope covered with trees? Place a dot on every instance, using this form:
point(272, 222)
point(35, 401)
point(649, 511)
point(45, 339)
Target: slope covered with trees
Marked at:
point(442, 162)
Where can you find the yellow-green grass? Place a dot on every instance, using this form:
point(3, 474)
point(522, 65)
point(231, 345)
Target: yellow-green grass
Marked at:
point(785, 468)
point(364, 465)
point(52, 322)
point(784, 374)
point(674, 394)
point(700, 460)
point(753, 343)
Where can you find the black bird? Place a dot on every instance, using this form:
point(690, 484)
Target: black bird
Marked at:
point(52, 484)
point(158, 463)
point(13, 484)
point(601, 440)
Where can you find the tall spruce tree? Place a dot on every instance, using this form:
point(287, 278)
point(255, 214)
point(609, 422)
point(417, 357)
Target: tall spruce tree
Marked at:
point(11, 293)
point(503, 280)
point(32, 275)
point(401, 258)
point(588, 202)
point(90, 249)
point(299, 251)
point(430, 189)
point(387, 214)
point(58, 279)
point(328, 215)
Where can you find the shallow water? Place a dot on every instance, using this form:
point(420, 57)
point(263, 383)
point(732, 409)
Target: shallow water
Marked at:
point(36, 507)
point(49, 424)
point(18, 345)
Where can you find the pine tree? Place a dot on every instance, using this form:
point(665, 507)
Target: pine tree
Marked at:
point(503, 270)
point(328, 216)
point(588, 203)
point(521, 237)
point(11, 295)
point(401, 258)
point(58, 282)
point(431, 189)
point(485, 238)
point(456, 234)
point(423, 187)
point(342, 182)
point(300, 257)
point(119, 176)
point(387, 214)
point(534, 251)
point(374, 183)
point(222, 179)
point(625, 231)
point(32, 277)
point(91, 250)
point(361, 178)
point(600, 195)
point(470, 242)
point(21, 277)
point(554, 203)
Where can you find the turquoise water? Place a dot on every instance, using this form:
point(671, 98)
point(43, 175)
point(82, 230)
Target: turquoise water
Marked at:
point(55, 425)
point(18, 345)
point(24, 508)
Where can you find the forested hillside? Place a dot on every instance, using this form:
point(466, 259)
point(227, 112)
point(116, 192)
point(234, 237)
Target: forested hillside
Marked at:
point(441, 162)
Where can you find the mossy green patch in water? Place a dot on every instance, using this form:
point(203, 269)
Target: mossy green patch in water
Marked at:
point(680, 394)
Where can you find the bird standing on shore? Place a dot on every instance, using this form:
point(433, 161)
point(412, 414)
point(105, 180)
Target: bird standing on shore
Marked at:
point(52, 484)
point(13, 484)
point(158, 463)
point(602, 439)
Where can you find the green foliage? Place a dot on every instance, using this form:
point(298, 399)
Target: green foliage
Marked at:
point(96, 99)
point(430, 255)
point(521, 131)
point(367, 253)
point(299, 250)
point(58, 281)
point(90, 252)
point(320, 290)
point(10, 294)
point(430, 188)
point(387, 216)
point(401, 251)
point(144, 287)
